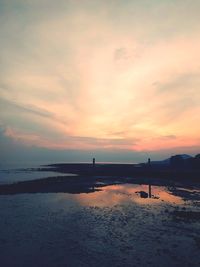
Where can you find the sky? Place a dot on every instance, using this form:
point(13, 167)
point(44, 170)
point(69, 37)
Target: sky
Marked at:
point(117, 79)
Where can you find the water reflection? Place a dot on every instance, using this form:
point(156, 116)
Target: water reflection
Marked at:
point(112, 195)
point(149, 190)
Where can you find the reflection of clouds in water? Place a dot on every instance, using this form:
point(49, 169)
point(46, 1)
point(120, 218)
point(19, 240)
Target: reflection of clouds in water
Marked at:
point(169, 197)
point(117, 194)
point(102, 198)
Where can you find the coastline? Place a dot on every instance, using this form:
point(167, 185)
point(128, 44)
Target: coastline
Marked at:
point(86, 178)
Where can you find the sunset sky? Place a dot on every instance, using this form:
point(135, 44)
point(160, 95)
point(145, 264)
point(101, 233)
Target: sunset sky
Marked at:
point(117, 76)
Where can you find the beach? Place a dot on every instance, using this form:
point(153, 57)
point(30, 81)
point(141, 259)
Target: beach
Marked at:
point(110, 224)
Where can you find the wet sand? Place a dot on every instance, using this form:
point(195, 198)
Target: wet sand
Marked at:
point(104, 222)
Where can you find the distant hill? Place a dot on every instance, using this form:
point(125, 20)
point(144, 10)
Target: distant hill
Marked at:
point(167, 161)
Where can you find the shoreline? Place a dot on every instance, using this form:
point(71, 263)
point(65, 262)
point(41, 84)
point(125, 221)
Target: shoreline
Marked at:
point(88, 178)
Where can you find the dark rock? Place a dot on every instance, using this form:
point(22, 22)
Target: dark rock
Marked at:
point(143, 194)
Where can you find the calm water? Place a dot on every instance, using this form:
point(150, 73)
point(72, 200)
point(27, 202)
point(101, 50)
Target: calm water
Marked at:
point(114, 226)
point(16, 172)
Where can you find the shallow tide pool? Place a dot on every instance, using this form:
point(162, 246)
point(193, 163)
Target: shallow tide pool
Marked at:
point(113, 226)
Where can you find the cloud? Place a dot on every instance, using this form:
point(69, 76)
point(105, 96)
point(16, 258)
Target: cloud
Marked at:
point(28, 109)
point(125, 77)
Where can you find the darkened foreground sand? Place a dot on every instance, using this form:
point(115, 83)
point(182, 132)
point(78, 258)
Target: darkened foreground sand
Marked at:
point(104, 222)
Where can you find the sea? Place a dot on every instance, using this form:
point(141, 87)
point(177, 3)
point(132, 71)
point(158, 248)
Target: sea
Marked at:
point(23, 171)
